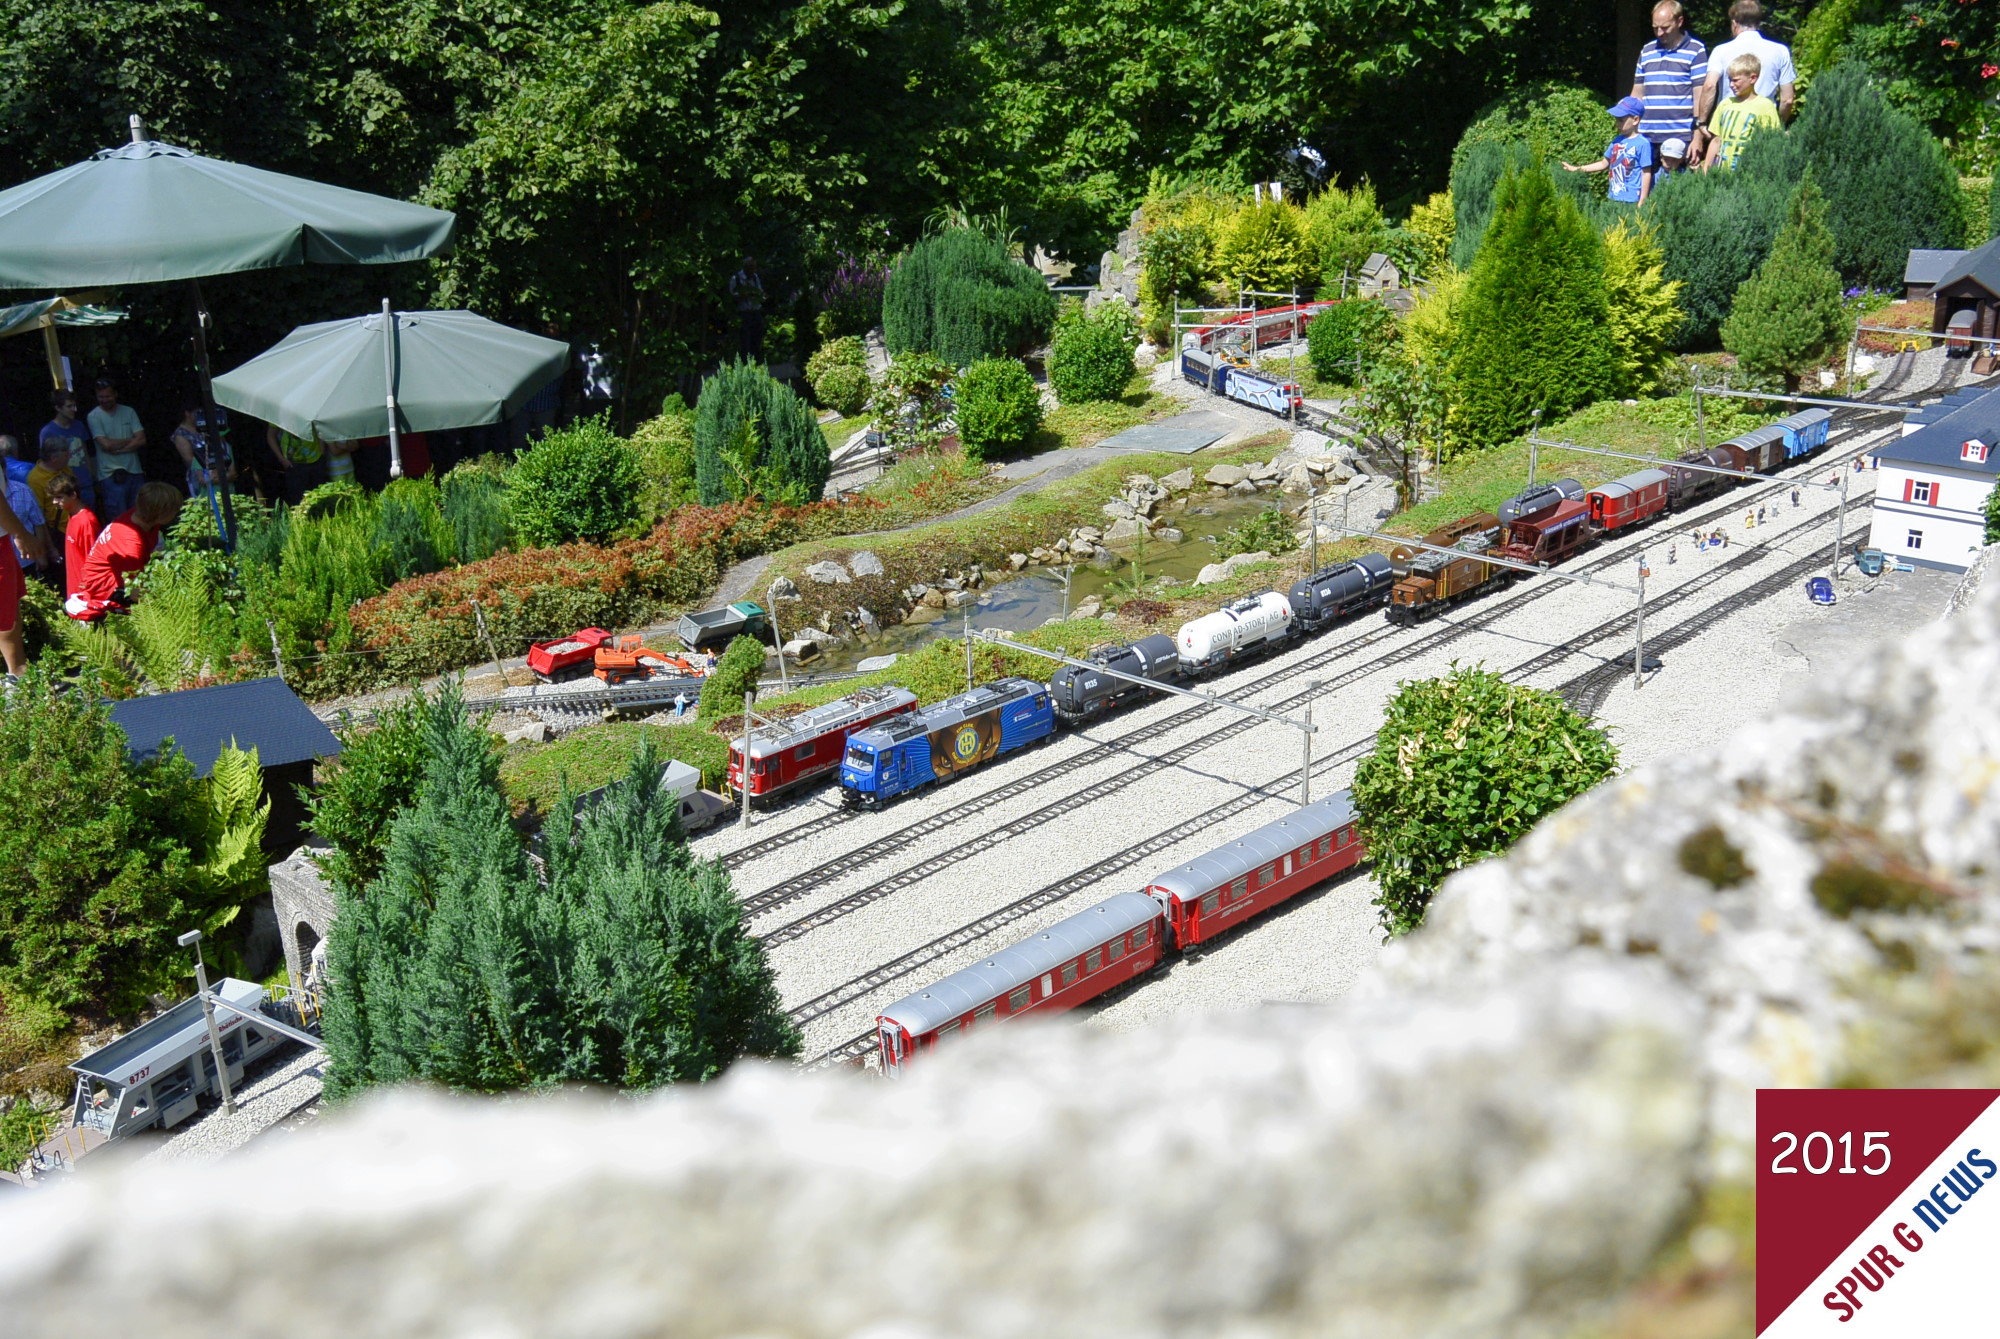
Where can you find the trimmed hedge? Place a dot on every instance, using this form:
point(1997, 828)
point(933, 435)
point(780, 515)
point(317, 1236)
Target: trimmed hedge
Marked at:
point(958, 294)
point(1090, 357)
point(999, 406)
point(786, 459)
point(580, 482)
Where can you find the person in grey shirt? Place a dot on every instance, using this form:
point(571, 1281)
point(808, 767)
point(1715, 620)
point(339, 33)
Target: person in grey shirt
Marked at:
point(119, 439)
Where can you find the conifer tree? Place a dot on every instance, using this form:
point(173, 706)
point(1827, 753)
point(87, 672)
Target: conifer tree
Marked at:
point(1787, 317)
point(1644, 304)
point(1536, 325)
point(755, 437)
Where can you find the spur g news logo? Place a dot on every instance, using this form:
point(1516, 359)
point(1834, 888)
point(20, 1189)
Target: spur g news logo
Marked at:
point(966, 746)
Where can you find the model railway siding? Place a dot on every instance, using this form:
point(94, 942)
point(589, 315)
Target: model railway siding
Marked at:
point(1106, 874)
point(883, 846)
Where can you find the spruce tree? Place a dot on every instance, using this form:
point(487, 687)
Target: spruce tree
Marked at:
point(1714, 230)
point(1787, 318)
point(1536, 324)
point(960, 295)
point(754, 437)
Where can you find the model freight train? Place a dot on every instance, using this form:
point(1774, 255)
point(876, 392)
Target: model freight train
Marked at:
point(1127, 935)
point(1547, 525)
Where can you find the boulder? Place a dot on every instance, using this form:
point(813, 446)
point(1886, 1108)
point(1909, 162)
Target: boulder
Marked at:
point(1243, 488)
point(1119, 509)
point(1227, 568)
point(1222, 476)
point(1180, 481)
point(870, 626)
point(1298, 481)
point(1090, 608)
point(935, 598)
point(1087, 532)
point(783, 589)
point(1042, 557)
point(865, 564)
point(802, 650)
point(1125, 532)
point(873, 663)
point(818, 636)
point(533, 733)
point(1016, 561)
point(960, 598)
point(828, 573)
point(1211, 574)
point(1262, 471)
point(1167, 534)
point(1062, 545)
point(1083, 550)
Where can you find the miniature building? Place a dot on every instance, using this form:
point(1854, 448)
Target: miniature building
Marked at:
point(262, 714)
point(1379, 275)
point(1932, 484)
point(1923, 270)
point(1972, 284)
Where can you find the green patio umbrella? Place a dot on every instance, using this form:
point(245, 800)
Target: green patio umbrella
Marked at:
point(366, 376)
point(148, 212)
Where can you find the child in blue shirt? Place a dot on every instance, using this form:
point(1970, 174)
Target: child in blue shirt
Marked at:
point(1628, 158)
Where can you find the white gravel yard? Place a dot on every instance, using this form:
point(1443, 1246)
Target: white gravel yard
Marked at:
point(966, 866)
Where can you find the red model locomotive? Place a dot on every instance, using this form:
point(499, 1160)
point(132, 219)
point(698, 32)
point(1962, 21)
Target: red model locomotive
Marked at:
point(810, 745)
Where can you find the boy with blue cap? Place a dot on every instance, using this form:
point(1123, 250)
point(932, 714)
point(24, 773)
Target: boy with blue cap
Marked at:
point(1628, 158)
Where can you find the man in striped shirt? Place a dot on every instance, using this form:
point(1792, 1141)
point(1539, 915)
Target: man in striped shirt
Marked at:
point(1672, 79)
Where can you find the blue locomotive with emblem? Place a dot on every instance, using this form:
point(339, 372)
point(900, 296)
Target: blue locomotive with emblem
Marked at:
point(938, 743)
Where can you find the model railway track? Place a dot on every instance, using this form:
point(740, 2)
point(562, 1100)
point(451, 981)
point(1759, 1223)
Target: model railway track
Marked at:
point(1605, 674)
point(889, 844)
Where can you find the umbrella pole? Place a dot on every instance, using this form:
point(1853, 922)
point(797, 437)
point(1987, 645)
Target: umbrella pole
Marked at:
point(389, 380)
point(213, 421)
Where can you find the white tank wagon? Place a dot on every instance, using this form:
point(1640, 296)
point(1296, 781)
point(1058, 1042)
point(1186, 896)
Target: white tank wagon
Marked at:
point(1246, 627)
point(157, 1073)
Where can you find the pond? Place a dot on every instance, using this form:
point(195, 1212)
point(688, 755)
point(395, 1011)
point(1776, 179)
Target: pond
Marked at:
point(1020, 601)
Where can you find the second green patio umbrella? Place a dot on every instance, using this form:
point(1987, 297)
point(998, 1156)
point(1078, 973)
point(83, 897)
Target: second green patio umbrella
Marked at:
point(366, 377)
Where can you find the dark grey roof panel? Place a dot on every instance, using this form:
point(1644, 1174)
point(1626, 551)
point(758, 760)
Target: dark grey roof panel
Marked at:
point(1927, 267)
point(262, 713)
point(1939, 442)
point(1981, 266)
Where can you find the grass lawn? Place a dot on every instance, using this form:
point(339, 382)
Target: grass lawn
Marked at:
point(1481, 480)
point(599, 753)
point(839, 430)
point(1088, 424)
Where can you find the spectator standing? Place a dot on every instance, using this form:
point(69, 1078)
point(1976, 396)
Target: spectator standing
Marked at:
point(746, 289)
point(27, 508)
point(1776, 77)
point(1673, 158)
point(1671, 79)
point(302, 459)
point(119, 437)
point(127, 543)
point(188, 439)
point(75, 436)
point(54, 466)
point(13, 647)
point(1739, 118)
point(78, 526)
point(1628, 158)
point(339, 461)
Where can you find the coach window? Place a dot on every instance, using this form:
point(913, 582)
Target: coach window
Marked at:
point(946, 1029)
point(1018, 1000)
point(1239, 888)
point(1115, 949)
point(804, 751)
point(1069, 973)
point(1266, 875)
point(1093, 960)
point(1208, 903)
point(1139, 937)
point(984, 1013)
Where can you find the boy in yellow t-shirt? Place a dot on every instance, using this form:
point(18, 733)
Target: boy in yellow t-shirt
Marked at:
point(1736, 120)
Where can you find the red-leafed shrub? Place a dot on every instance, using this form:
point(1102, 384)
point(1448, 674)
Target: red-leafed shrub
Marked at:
point(426, 625)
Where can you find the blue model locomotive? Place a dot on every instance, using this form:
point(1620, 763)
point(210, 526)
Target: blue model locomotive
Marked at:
point(939, 742)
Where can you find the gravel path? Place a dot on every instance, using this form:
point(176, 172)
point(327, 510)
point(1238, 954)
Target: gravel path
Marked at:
point(272, 1096)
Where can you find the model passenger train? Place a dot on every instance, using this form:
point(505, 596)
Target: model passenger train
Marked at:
point(1127, 935)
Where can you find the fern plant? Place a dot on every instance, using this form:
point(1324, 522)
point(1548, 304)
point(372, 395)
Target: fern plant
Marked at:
point(234, 815)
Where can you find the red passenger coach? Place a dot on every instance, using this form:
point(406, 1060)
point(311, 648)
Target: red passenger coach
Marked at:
point(1232, 883)
point(1626, 502)
point(1072, 961)
point(812, 742)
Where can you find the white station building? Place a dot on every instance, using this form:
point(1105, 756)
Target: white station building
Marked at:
point(1932, 483)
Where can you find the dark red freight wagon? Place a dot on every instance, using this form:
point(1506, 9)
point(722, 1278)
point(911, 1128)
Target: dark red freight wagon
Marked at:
point(1624, 503)
point(1548, 537)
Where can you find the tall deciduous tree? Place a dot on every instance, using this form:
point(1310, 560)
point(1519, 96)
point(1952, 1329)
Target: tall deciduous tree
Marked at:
point(1463, 766)
point(1787, 318)
point(1536, 324)
point(625, 964)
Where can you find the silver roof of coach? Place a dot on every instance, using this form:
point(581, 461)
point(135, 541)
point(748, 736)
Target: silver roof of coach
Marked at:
point(148, 1048)
point(963, 991)
point(1205, 873)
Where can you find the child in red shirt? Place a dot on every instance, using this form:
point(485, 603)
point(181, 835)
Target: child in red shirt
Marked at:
point(78, 524)
point(124, 547)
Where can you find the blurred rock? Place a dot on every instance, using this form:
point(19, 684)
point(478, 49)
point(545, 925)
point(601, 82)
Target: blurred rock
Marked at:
point(865, 564)
point(828, 573)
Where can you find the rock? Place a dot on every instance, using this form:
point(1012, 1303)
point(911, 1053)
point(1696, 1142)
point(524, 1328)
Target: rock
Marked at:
point(1222, 476)
point(534, 733)
point(1042, 557)
point(1125, 532)
point(1167, 583)
point(873, 663)
point(1218, 491)
point(1062, 546)
point(1298, 481)
point(871, 627)
point(1227, 568)
point(1262, 471)
point(1243, 488)
point(936, 599)
point(819, 636)
point(783, 589)
point(1118, 509)
point(960, 598)
point(1211, 574)
point(1083, 550)
point(802, 650)
point(1180, 481)
point(1016, 561)
point(1090, 608)
point(1088, 532)
point(865, 564)
point(1328, 534)
point(1167, 534)
point(828, 573)
point(950, 583)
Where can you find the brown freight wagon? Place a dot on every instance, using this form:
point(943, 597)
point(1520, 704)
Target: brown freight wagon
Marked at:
point(1430, 581)
point(1550, 537)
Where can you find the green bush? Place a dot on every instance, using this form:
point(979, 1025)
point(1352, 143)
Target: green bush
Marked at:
point(1090, 356)
point(360, 792)
point(999, 407)
point(1474, 183)
point(626, 964)
point(475, 507)
point(736, 672)
point(576, 483)
point(1888, 184)
point(1787, 318)
point(1269, 531)
point(1713, 229)
point(960, 295)
point(1535, 333)
point(1463, 767)
point(1344, 228)
point(1264, 250)
point(1554, 122)
point(910, 403)
point(1344, 339)
point(755, 438)
point(847, 351)
point(106, 860)
point(664, 446)
point(24, 1124)
point(411, 532)
point(839, 375)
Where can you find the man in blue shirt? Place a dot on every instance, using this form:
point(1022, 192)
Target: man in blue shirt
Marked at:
point(76, 438)
point(1672, 79)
